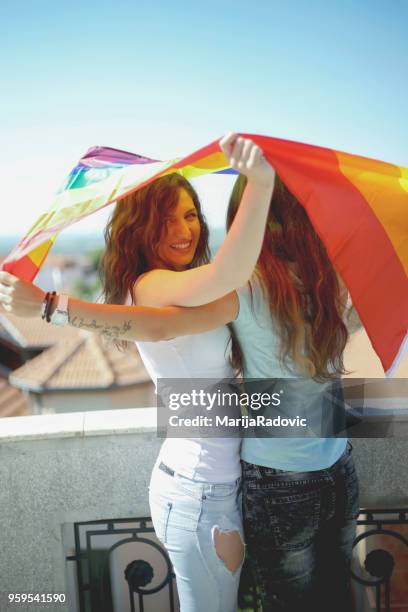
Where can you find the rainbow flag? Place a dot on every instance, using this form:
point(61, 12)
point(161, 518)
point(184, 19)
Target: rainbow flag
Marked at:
point(358, 206)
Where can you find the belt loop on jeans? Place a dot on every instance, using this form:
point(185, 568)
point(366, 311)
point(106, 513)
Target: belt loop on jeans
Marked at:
point(165, 468)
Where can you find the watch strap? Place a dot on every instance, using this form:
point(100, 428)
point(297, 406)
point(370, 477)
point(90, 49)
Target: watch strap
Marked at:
point(61, 308)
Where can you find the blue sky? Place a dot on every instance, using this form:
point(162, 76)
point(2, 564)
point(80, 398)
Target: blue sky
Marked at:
point(163, 79)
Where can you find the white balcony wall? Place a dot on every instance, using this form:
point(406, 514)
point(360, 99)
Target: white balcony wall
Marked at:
point(59, 469)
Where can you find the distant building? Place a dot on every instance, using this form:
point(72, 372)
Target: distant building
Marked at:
point(61, 272)
point(68, 370)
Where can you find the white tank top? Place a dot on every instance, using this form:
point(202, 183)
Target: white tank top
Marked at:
point(203, 355)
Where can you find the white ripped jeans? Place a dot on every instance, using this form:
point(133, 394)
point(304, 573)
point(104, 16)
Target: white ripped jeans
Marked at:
point(185, 515)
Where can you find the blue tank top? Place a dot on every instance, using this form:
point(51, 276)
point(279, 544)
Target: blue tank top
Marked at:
point(259, 340)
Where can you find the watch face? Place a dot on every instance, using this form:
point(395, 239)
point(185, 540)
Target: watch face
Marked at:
point(59, 317)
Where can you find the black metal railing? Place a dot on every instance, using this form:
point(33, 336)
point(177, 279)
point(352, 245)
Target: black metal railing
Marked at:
point(380, 563)
point(93, 558)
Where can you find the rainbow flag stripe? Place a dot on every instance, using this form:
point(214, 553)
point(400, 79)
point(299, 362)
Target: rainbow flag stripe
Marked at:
point(359, 207)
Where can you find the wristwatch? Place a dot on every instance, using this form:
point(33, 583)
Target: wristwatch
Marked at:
point(60, 314)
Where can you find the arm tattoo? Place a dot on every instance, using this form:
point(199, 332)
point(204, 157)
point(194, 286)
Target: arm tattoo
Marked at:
point(110, 331)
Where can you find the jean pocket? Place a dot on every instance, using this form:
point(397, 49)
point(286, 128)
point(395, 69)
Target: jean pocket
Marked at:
point(285, 521)
point(160, 513)
point(184, 516)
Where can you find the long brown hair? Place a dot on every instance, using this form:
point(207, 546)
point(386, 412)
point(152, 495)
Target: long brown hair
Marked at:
point(301, 285)
point(133, 233)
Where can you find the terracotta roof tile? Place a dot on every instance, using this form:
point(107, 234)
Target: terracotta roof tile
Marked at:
point(85, 367)
point(34, 332)
point(35, 374)
point(83, 361)
point(12, 401)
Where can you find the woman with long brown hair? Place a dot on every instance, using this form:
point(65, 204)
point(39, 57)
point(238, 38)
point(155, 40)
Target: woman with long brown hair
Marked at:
point(157, 254)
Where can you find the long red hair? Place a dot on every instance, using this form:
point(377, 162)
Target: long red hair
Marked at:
point(301, 285)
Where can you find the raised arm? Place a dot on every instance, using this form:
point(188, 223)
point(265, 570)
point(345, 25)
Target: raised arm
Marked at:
point(129, 323)
point(150, 323)
point(236, 259)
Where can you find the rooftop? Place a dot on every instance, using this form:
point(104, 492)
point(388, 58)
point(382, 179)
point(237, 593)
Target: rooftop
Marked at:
point(71, 359)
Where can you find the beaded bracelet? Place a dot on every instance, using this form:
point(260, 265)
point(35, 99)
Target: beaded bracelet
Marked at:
point(48, 308)
point(44, 305)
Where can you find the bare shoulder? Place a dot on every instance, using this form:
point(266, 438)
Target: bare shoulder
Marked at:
point(148, 288)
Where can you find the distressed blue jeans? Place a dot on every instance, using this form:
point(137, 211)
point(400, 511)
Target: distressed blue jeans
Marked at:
point(185, 515)
point(299, 529)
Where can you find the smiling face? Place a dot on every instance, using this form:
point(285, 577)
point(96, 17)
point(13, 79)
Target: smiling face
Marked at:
point(180, 233)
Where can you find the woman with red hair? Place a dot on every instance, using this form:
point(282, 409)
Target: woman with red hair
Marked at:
point(300, 494)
